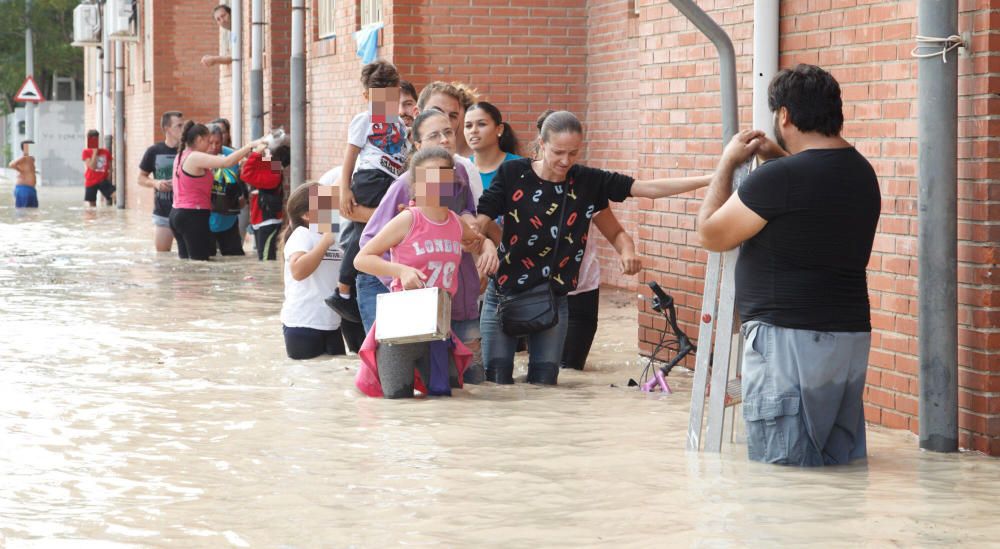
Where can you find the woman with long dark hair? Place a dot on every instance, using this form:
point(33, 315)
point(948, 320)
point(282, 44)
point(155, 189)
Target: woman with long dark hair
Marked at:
point(192, 184)
point(492, 140)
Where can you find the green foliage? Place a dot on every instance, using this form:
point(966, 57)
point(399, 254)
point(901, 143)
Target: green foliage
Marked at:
point(52, 30)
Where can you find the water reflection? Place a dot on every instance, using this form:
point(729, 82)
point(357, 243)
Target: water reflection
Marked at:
point(148, 402)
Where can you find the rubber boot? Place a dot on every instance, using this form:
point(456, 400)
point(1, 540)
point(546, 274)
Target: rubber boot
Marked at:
point(543, 374)
point(501, 375)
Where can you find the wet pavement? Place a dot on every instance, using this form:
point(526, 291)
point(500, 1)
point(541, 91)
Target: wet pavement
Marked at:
point(147, 402)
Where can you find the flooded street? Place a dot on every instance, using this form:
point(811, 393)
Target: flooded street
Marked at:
point(147, 402)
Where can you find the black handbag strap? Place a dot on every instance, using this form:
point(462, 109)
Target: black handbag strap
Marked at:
point(562, 219)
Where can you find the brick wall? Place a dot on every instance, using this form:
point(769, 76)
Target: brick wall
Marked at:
point(487, 46)
point(277, 60)
point(521, 57)
point(333, 88)
point(183, 33)
point(866, 45)
point(612, 113)
point(179, 82)
point(275, 64)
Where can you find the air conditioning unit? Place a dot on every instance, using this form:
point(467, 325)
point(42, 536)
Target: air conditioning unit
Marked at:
point(121, 20)
point(86, 25)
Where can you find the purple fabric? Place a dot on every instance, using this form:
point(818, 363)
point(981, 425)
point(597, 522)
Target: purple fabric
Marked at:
point(465, 305)
point(440, 384)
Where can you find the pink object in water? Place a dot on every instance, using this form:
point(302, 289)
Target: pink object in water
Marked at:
point(658, 381)
point(367, 379)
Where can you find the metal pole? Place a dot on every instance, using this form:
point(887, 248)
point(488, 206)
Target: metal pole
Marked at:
point(99, 90)
point(119, 144)
point(723, 323)
point(727, 62)
point(236, 47)
point(29, 69)
point(298, 94)
point(937, 204)
point(257, 69)
point(99, 71)
point(106, 125)
point(765, 60)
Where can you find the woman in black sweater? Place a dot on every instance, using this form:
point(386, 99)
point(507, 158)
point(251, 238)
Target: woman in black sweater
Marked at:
point(546, 206)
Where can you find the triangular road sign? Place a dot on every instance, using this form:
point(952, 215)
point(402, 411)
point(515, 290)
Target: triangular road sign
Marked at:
point(29, 92)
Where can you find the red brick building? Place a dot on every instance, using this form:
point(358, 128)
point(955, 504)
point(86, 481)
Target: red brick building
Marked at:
point(645, 83)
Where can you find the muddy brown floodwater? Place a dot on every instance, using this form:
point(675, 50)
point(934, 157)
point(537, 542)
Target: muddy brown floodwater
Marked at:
point(146, 402)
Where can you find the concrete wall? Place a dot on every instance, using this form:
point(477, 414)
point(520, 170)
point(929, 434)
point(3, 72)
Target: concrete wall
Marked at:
point(59, 140)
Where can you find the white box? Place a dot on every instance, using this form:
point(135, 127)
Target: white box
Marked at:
point(120, 20)
point(86, 25)
point(413, 316)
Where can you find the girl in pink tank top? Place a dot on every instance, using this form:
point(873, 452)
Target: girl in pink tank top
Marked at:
point(425, 250)
point(431, 247)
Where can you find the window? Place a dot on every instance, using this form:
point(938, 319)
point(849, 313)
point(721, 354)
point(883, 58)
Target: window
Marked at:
point(326, 18)
point(371, 12)
point(147, 40)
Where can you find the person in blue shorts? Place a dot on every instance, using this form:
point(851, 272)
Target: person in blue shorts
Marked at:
point(25, 195)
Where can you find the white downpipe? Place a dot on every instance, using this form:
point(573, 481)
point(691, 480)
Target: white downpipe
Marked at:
point(766, 14)
point(236, 50)
point(107, 126)
point(99, 91)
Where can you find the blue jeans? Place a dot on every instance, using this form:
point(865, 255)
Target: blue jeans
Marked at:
point(466, 330)
point(545, 349)
point(368, 288)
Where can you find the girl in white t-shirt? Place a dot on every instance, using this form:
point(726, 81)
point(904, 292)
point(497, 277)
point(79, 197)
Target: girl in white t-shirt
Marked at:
point(312, 262)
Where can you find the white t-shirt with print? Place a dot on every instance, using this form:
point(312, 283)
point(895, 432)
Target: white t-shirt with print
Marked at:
point(383, 145)
point(303, 306)
point(589, 278)
point(332, 177)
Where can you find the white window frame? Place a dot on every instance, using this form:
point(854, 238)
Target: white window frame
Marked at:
point(326, 18)
point(371, 12)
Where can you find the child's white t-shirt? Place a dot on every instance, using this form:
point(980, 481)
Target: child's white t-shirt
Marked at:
point(383, 145)
point(304, 306)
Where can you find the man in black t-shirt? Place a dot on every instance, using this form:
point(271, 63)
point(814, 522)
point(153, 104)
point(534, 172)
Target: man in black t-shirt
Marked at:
point(805, 222)
point(156, 172)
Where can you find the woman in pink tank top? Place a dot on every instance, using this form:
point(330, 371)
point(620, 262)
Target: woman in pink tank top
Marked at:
point(192, 183)
point(425, 246)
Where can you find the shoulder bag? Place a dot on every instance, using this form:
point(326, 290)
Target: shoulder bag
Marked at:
point(533, 310)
